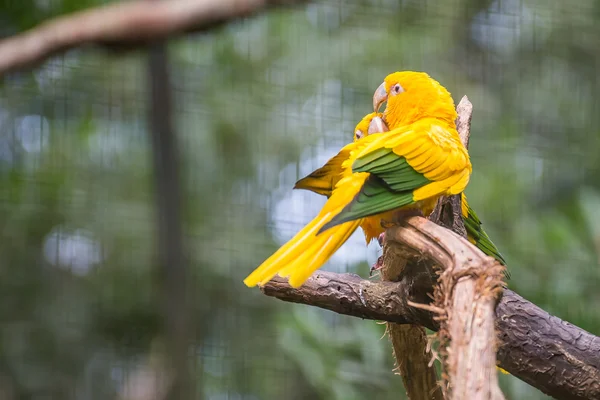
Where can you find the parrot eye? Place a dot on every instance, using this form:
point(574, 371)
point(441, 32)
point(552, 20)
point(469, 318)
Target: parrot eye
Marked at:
point(397, 88)
point(358, 134)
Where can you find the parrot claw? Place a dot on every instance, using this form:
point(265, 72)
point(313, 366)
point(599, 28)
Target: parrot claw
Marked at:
point(377, 266)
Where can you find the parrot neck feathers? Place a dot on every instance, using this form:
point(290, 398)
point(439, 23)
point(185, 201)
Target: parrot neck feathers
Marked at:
point(403, 113)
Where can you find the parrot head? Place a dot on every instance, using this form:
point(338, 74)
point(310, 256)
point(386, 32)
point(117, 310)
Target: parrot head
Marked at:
point(411, 96)
point(371, 123)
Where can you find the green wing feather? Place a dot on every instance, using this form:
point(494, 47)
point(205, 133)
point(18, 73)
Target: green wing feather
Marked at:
point(392, 169)
point(479, 238)
point(390, 186)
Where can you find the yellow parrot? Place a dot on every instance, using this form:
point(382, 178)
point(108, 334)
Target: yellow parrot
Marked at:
point(395, 116)
point(406, 168)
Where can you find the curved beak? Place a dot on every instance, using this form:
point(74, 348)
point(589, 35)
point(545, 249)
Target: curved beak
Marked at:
point(379, 97)
point(377, 125)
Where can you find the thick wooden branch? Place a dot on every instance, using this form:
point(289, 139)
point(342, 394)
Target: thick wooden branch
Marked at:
point(409, 341)
point(123, 25)
point(554, 356)
point(466, 292)
point(560, 359)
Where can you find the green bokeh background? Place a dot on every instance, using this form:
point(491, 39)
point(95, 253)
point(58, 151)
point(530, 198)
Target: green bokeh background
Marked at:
point(258, 103)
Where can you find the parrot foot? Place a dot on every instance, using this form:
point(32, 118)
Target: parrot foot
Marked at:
point(377, 266)
point(400, 216)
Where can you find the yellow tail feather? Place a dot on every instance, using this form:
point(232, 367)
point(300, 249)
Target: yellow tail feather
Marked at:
point(304, 253)
point(309, 250)
point(315, 249)
point(304, 267)
point(286, 253)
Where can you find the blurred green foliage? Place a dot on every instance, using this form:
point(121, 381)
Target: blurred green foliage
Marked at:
point(257, 103)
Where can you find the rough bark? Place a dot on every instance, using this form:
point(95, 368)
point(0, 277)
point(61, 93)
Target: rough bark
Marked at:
point(123, 26)
point(351, 295)
point(554, 356)
point(566, 364)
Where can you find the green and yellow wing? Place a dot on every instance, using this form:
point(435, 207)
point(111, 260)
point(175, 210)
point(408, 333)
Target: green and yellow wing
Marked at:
point(404, 167)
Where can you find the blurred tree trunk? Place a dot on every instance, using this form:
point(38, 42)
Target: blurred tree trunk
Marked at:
point(172, 269)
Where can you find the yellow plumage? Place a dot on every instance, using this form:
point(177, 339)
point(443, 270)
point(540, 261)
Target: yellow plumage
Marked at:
point(405, 109)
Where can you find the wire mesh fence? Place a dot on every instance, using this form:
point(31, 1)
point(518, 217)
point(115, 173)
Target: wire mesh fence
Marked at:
point(257, 105)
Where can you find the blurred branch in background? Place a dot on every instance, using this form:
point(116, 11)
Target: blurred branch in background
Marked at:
point(554, 356)
point(123, 24)
point(172, 271)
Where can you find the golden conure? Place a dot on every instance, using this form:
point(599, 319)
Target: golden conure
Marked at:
point(396, 114)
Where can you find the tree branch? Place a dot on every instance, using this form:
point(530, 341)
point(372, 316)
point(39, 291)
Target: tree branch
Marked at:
point(558, 358)
point(351, 295)
point(121, 25)
point(464, 109)
point(467, 292)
